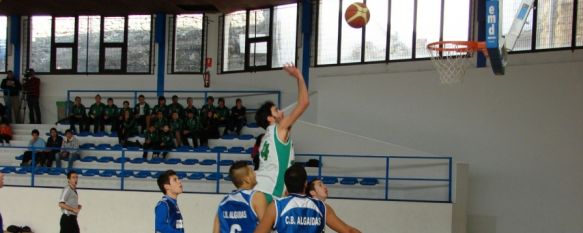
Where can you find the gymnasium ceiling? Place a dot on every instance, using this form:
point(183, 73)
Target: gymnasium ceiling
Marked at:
point(122, 7)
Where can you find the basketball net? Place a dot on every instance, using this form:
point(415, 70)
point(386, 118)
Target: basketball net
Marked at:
point(451, 59)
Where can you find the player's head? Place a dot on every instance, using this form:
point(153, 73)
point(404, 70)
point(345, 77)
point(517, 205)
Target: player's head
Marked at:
point(268, 114)
point(317, 189)
point(72, 178)
point(169, 183)
point(242, 175)
point(295, 179)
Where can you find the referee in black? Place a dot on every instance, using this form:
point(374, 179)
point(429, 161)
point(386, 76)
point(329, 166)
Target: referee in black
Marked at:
point(69, 204)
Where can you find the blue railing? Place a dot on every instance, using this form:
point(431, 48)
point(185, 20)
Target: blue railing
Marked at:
point(384, 171)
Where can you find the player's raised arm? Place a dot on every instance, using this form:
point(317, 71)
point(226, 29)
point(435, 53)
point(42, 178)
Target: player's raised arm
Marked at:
point(216, 226)
point(259, 204)
point(336, 224)
point(266, 223)
point(303, 99)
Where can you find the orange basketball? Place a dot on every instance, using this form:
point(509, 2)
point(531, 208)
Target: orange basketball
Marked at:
point(357, 15)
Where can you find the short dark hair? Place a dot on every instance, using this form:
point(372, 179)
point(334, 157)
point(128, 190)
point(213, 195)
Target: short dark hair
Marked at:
point(210, 97)
point(174, 97)
point(70, 173)
point(221, 99)
point(238, 100)
point(53, 129)
point(311, 186)
point(108, 99)
point(68, 131)
point(141, 96)
point(233, 171)
point(35, 131)
point(262, 113)
point(295, 179)
point(164, 178)
point(161, 98)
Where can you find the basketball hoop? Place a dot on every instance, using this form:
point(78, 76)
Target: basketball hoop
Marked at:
point(451, 59)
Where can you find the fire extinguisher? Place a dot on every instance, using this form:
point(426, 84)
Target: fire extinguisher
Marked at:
point(207, 79)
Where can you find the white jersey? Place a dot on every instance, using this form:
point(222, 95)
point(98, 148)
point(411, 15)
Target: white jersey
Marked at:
point(275, 157)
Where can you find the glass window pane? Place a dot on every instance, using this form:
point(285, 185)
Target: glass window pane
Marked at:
point(401, 40)
point(139, 34)
point(88, 40)
point(64, 58)
point(580, 23)
point(188, 43)
point(510, 8)
point(258, 54)
point(351, 39)
point(428, 25)
point(456, 20)
point(375, 45)
point(40, 43)
point(64, 29)
point(113, 29)
point(259, 23)
point(328, 32)
point(234, 41)
point(3, 42)
point(284, 35)
point(112, 58)
point(554, 23)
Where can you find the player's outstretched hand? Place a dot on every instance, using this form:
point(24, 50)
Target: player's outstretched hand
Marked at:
point(292, 70)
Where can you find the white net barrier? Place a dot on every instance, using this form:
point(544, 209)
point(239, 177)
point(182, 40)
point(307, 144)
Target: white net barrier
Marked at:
point(453, 61)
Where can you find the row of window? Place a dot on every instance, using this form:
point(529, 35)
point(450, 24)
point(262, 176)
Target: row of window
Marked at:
point(263, 39)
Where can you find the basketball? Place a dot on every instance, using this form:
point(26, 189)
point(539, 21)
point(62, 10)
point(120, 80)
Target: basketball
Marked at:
point(357, 15)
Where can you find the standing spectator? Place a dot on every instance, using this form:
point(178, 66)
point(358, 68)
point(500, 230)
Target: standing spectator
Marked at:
point(222, 115)
point(208, 107)
point(5, 133)
point(36, 145)
point(168, 218)
point(54, 143)
point(161, 107)
point(142, 113)
point(166, 141)
point(176, 128)
point(69, 150)
point(191, 129)
point(12, 87)
point(127, 128)
point(238, 117)
point(69, 203)
point(31, 87)
point(209, 129)
point(78, 116)
point(190, 107)
point(111, 115)
point(152, 141)
point(175, 107)
point(96, 112)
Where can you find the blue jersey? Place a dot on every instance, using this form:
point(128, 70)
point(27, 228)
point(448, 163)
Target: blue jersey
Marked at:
point(298, 213)
point(236, 214)
point(168, 216)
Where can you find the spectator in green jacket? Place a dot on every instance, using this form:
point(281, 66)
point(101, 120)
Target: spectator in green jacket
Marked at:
point(166, 141)
point(175, 107)
point(96, 114)
point(152, 141)
point(111, 115)
point(78, 116)
point(191, 129)
point(142, 114)
point(127, 128)
point(176, 128)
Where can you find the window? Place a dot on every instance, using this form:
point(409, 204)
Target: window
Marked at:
point(90, 44)
point(259, 39)
point(187, 52)
point(396, 30)
point(3, 42)
point(579, 23)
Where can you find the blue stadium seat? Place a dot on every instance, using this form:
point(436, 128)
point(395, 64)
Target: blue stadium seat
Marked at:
point(103, 146)
point(125, 173)
point(41, 170)
point(91, 172)
point(214, 176)
point(228, 178)
point(249, 150)
point(107, 173)
point(246, 137)
point(155, 175)
point(249, 162)
point(329, 180)
point(88, 159)
point(236, 149)
point(56, 171)
point(99, 134)
point(369, 181)
point(7, 170)
point(349, 181)
point(208, 162)
point(172, 161)
point(84, 134)
point(133, 148)
point(117, 147)
point(142, 174)
point(86, 145)
point(19, 157)
point(252, 125)
point(122, 160)
point(156, 160)
point(201, 149)
point(190, 161)
point(137, 160)
point(226, 162)
point(220, 149)
point(181, 175)
point(113, 134)
point(195, 176)
point(105, 159)
point(229, 136)
point(183, 148)
point(22, 170)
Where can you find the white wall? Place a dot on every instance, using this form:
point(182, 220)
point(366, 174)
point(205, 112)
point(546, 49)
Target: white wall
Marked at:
point(117, 212)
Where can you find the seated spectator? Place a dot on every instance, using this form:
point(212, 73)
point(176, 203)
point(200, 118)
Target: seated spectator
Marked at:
point(69, 150)
point(142, 114)
point(238, 117)
point(166, 141)
point(209, 129)
point(176, 128)
point(191, 129)
point(190, 107)
point(36, 145)
point(125, 108)
point(78, 116)
point(175, 107)
point(208, 107)
point(54, 143)
point(127, 128)
point(111, 115)
point(5, 133)
point(96, 114)
point(152, 141)
point(161, 107)
point(159, 121)
point(222, 115)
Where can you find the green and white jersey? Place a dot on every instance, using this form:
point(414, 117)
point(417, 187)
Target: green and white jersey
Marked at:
point(275, 157)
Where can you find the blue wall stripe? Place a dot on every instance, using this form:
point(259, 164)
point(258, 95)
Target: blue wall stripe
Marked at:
point(160, 40)
point(307, 30)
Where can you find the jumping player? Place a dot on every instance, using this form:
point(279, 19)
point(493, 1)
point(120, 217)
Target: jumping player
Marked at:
point(168, 218)
point(241, 210)
point(276, 152)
